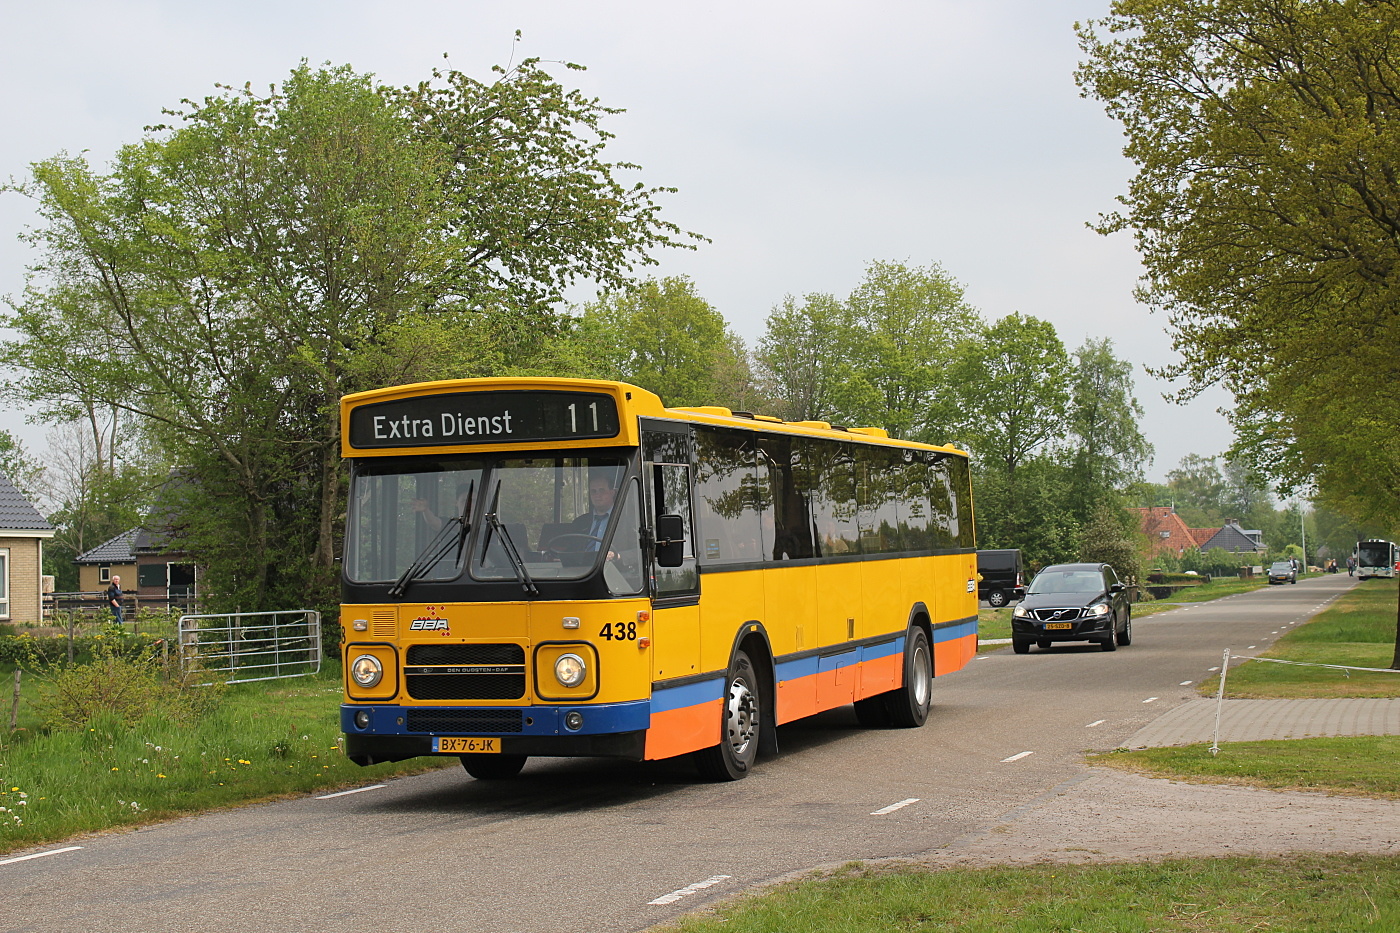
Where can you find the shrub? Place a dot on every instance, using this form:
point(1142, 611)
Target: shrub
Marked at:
point(114, 683)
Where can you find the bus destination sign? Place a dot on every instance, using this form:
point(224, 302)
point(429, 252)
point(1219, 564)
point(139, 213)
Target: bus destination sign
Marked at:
point(483, 418)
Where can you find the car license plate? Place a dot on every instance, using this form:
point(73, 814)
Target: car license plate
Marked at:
point(466, 746)
point(1059, 625)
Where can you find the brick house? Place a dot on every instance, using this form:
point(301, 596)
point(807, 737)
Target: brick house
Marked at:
point(22, 535)
point(149, 568)
point(111, 558)
point(1168, 534)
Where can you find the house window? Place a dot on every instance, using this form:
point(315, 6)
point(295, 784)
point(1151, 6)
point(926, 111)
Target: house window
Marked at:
point(1165, 534)
point(104, 573)
point(4, 583)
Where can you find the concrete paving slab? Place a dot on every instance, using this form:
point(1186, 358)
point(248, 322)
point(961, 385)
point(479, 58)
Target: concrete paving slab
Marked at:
point(1251, 720)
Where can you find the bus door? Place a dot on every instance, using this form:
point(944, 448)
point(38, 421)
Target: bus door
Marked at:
point(675, 591)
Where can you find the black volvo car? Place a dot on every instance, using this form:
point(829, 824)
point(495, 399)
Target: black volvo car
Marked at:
point(1073, 602)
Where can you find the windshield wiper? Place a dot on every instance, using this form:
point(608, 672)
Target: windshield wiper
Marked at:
point(453, 533)
point(522, 573)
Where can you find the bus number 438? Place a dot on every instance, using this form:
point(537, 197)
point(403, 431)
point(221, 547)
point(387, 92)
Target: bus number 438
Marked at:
point(622, 631)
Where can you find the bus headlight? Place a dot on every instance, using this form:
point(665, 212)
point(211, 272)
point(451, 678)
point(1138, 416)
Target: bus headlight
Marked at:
point(570, 670)
point(366, 670)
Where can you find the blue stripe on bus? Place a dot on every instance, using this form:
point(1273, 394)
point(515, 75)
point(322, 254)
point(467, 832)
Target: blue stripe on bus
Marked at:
point(954, 632)
point(535, 720)
point(665, 699)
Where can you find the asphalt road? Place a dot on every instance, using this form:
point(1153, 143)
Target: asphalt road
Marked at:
point(602, 846)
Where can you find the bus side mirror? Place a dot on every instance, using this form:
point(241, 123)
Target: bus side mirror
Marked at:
point(670, 540)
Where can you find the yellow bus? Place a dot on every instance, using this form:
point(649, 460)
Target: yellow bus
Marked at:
point(566, 567)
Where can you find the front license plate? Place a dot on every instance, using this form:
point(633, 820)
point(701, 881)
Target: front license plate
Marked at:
point(1059, 625)
point(463, 746)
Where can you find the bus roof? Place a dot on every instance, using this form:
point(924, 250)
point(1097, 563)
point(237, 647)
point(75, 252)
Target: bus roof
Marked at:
point(420, 417)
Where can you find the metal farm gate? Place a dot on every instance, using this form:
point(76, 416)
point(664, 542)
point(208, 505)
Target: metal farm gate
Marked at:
point(239, 647)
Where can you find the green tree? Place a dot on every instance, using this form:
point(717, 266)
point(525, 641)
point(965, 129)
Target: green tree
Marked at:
point(1108, 537)
point(661, 335)
point(232, 277)
point(1030, 511)
point(1109, 449)
point(1268, 167)
point(1012, 382)
point(801, 363)
point(94, 491)
point(18, 466)
point(1197, 489)
point(904, 323)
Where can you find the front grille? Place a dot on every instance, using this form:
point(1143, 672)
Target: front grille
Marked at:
point(465, 654)
point(1057, 615)
point(466, 686)
point(465, 672)
point(464, 720)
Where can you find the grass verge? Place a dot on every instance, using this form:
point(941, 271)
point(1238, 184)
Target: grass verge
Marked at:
point(1364, 765)
point(1357, 630)
point(265, 740)
point(1323, 893)
point(1215, 589)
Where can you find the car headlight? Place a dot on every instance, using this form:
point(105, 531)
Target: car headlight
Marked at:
point(366, 670)
point(1100, 610)
point(1020, 613)
point(570, 670)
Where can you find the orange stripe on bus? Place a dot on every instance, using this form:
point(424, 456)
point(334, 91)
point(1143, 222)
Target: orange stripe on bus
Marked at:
point(880, 675)
point(953, 654)
point(687, 729)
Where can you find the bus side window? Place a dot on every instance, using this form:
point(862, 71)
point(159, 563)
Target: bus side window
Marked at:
point(670, 495)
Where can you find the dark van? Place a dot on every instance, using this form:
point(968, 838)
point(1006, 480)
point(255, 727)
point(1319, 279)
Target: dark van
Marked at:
point(1002, 576)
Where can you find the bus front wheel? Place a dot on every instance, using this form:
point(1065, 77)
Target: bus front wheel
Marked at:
point(493, 767)
point(740, 726)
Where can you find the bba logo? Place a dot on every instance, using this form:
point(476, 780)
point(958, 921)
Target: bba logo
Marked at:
point(430, 625)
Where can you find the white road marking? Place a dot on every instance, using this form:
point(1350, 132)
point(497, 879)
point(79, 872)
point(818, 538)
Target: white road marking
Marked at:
point(1016, 757)
point(689, 890)
point(1096, 722)
point(1212, 668)
point(1150, 700)
point(1251, 647)
point(1186, 683)
point(25, 858)
point(358, 790)
point(895, 806)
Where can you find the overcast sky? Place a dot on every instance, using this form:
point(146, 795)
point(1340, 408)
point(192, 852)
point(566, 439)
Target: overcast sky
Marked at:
point(806, 139)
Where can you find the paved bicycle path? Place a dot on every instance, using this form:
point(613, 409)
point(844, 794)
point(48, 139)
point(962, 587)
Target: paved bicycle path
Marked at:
point(1252, 720)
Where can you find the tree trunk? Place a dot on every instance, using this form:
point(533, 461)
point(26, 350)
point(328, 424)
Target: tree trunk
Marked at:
point(1395, 661)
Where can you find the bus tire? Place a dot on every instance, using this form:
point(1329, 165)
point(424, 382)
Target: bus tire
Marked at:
point(493, 767)
point(741, 724)
point(874, 712)
point(909, 705)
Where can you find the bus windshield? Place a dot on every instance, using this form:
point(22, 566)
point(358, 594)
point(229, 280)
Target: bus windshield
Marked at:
point(1373, 553)
point(533, 518)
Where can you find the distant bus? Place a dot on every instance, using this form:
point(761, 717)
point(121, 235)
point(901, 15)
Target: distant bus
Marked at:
point(559, 567)
point(1376, 558)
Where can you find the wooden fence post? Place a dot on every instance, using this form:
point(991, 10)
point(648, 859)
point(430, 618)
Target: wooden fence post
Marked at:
point(14, 705)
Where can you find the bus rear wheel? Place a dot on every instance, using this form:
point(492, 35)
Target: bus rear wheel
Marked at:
point(493, 767)
point(740, 726)
point(909, 705)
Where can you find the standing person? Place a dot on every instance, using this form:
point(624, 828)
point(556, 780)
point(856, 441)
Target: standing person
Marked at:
point(114, 599)
point(1351, 566)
